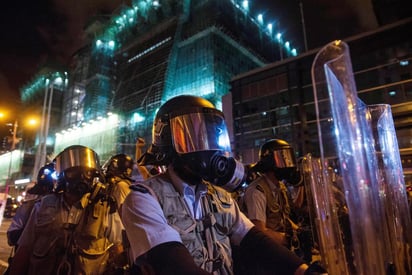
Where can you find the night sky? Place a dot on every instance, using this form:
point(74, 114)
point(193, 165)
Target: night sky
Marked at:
point(34, 32)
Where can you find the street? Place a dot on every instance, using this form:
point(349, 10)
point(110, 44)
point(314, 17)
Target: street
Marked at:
point(5, 249)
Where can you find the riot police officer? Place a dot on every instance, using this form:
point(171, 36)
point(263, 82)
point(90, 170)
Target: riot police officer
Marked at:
point(182, 221)
point(67, 231)
point(118, 173)
point(268, 200)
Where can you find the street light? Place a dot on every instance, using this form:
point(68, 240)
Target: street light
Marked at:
point(14, 141)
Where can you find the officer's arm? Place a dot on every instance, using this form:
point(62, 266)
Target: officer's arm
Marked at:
point(255, 200)
point(18, 222)
point(20, 262)
point(261, 248)
point(170, 258)
point(13, 236)
point(278, 236)
point(21, 259)
point(154, 243)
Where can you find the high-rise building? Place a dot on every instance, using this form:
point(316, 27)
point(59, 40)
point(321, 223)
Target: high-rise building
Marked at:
point(151, 51)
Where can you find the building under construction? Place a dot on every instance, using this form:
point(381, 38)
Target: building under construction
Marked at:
point(151, 51)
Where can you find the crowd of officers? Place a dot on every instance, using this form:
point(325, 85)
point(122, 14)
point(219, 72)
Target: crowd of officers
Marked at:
point(195, 212)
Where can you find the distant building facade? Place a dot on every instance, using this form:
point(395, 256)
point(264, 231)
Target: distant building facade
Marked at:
point(277, 101)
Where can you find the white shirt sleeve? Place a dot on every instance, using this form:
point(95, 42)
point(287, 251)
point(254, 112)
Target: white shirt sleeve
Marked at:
point(241, 225)
point(120, 192)
point(145, 223)
point(255, 201)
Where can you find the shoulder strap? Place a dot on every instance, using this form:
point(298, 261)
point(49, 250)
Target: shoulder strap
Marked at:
point(216, 255)
point(142, 188)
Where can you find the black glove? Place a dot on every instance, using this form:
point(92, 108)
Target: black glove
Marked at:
point(315, 269)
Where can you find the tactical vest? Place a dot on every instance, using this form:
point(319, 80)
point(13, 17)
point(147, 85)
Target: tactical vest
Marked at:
point(61, 247)
point(207, 239)
point(277, 207)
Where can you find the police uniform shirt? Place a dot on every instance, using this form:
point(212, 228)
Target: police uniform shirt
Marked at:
point(255, 199)
point(147, 227)
point(120, 191)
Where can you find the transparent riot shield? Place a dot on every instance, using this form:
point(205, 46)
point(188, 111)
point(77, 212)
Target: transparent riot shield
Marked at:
point(356, 185)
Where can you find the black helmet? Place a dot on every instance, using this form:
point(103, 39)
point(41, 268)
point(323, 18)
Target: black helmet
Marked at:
point(191, 133)
point(45, 180)
point(179, 114)
point(77, 166)
point(277, 155)
point(120, 165)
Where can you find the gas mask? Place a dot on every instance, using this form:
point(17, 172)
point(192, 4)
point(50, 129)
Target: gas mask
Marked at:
point(278, 156)
point(291, 175)
point(202, 147)
point(79, 180)
point(212, 166)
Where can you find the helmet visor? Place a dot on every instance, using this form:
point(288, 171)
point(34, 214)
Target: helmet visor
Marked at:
point(284, 158)
point(77, 156)
point(199, 132)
